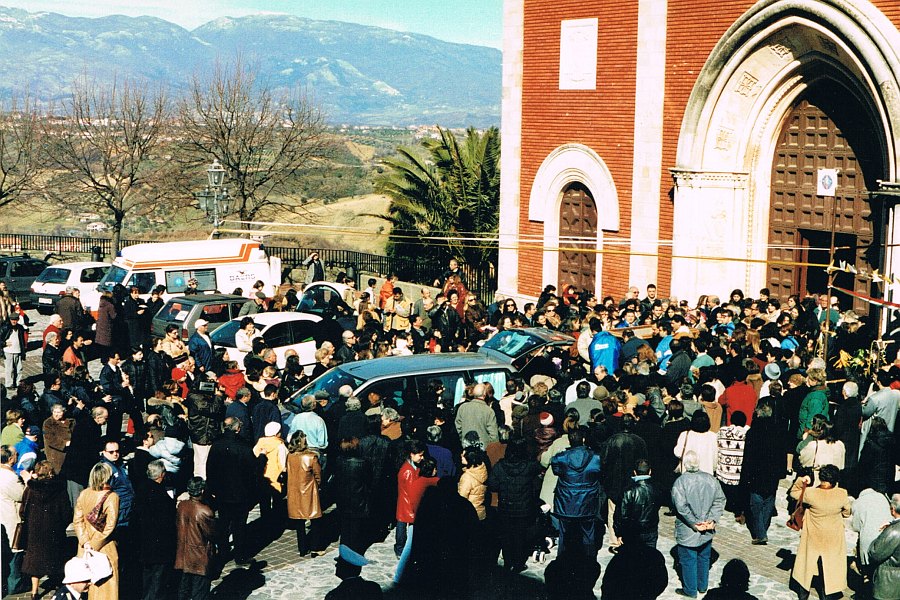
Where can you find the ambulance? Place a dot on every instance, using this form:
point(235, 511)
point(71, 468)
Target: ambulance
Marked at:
point(217, 265)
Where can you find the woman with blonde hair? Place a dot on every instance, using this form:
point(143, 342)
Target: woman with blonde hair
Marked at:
point(96, 512)
point(548, 485)
point(304, 476)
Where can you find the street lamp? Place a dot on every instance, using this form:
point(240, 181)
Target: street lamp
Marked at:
point(214, 199)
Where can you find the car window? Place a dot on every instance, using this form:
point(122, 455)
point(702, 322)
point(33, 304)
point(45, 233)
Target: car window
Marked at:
point(176, 281)
point(93, 274)
point(142, 281)
point(330, 381)
point(497, 379)
point(216, 313)
point(235, 308)
point(278, 335)
point(173, 311)
point(224, 335)
point(427, 387)
point(53, 275)
point(393, 389)
point(27, 268)
point(302, 331)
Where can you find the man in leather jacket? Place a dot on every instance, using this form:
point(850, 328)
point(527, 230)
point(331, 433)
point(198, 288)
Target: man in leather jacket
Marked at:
point(639, 509)
point(576, 502)
point(884, 555)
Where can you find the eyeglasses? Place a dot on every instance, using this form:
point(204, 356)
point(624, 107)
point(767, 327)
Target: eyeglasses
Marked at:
point(111, 451)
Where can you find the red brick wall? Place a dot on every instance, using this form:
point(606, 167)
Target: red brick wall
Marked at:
point(602, 119)
point(694, 27)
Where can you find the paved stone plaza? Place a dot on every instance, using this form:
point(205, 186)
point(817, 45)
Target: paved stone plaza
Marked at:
point(281, 573)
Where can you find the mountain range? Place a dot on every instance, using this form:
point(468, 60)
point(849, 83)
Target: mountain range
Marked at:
point(360, 75)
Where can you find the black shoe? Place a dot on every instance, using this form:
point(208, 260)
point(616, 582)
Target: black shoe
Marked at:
point(613, 549)
point(759, 542)
point(244, 562)
point(681, 592)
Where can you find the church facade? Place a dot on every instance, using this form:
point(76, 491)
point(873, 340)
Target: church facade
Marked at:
point(683, 143)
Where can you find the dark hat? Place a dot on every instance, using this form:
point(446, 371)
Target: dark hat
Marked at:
point(13, 316)
point(322, 395)
point(33, 430)
point(260, 295)
point(351, 556)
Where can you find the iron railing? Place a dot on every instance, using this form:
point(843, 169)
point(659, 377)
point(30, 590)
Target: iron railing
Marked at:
point(482, 280)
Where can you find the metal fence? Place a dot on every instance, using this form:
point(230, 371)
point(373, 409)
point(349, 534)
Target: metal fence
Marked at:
point(482, 280)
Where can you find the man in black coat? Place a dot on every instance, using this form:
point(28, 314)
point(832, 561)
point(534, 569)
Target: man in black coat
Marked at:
point(846, 428)
point(618, 456)
point(84, 450)
point(638, 512)
point(232, 479)
point(761, 471)
point(155, 512)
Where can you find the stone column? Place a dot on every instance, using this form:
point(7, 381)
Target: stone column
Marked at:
point(511, 147)
point(711, 226)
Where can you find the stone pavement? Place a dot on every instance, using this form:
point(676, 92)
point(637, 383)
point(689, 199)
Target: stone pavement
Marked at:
point(281, 573)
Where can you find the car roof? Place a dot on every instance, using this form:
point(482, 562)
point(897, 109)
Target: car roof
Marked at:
point(85, 264)
point(340, 288)
point(21, 257)
point(206, 298)
point(270, 318)
point(425, 363)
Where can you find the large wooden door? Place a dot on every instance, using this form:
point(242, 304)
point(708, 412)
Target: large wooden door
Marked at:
point(577, 235)
point(800, 221)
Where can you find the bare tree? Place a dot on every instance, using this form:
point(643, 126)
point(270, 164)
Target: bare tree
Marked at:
point(105, 149)
point(264, 139)
point(21, 157)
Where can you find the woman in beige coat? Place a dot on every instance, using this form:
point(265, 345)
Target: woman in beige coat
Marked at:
point(473, 481)
point(304, 475)
point(99, 539)
point(822, 536)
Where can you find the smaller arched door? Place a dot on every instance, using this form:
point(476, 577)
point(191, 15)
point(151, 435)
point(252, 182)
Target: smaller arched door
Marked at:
point(577, 239)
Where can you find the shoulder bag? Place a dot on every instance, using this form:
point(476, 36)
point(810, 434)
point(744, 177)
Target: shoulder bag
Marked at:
point(97, 516)
point(795, 522)
point(680, 467)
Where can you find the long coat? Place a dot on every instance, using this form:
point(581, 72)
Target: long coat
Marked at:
point(822, 537)
point(99, 540)
point(304, 477)
point(106, 315)
point(46, 513)
point(196, 525)
point(56, 435)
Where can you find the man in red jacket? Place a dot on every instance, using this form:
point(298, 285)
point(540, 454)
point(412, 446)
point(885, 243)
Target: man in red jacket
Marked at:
point(409, 472)
point(739, 396)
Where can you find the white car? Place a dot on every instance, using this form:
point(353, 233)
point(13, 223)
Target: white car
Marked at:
point(53, 281)
point(282, 331)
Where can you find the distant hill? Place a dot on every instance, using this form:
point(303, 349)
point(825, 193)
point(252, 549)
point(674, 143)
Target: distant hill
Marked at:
point(360, 74)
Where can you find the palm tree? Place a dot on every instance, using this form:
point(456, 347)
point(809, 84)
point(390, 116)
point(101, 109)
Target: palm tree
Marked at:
point(445, 200)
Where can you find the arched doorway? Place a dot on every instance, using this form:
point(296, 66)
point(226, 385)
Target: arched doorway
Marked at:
point(827, 129)
point(577, 238)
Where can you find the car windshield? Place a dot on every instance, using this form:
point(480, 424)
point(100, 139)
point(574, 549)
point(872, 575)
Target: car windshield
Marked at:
point(514, 342)
point(113, 276)
point(224, 335)
point(53, 275)
point(174, 311)
point(330, 381)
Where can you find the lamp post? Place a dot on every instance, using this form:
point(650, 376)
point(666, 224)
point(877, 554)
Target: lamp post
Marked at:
point(214, 199)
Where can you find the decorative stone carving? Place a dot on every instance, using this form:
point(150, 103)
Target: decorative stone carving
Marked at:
point(724, 138)
point(781, 51)
point(747, 85)
point(578, 54)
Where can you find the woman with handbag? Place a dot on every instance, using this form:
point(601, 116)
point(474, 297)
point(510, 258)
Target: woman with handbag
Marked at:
point(96, 511)
point(46, 513)
point(822, 548)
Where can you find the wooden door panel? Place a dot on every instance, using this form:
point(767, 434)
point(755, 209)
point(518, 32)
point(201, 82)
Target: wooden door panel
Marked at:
point(577, 219)
point(811, 140)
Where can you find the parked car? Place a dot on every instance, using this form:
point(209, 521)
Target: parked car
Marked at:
point(326, 299)
point(19, 272)
point(184, 311)
point(407, 378)
point(283, 331)
point(53, 281)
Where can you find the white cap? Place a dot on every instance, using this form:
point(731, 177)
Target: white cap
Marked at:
point(200, 322)
point(76, 571)
point(272, 429)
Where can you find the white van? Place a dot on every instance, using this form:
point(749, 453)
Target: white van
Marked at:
point(217, 265)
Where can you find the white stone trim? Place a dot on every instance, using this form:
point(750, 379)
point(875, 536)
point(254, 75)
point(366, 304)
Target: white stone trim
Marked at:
point(735, 113)
point(567, 164)
point(511, 147)
point(578, 54)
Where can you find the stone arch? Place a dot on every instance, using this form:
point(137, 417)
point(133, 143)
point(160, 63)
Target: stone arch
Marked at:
point(565, 165)
point(753, 77)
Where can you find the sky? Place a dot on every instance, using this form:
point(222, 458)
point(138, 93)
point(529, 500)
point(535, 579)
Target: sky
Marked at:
point(477, 22)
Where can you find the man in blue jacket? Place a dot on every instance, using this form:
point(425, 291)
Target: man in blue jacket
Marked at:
point(604, 349)
point(576, 502)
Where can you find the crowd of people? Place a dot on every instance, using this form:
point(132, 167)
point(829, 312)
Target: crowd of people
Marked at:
point(656, 406)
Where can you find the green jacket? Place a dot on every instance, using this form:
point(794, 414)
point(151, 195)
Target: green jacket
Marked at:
point(815, 403)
